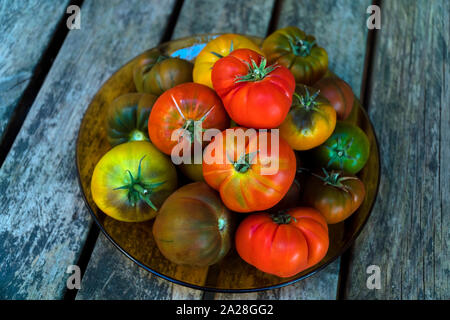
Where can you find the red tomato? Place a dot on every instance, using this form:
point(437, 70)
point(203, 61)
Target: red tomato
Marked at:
point(339, 93)
point(248, 177)
point(285, 244)
point(254, 94)
point(180, 107)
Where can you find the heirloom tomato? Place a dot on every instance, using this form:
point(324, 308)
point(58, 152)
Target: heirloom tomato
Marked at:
point(254, 94)
point(214, 50)
point(283, 244)
point(251, 170)
point(339, 93)
point(335, 194)
point(155, 73)
point(132, 180)
point(310, 121)
point(347, 149)
point(127, 118)
point(193, 226)
point(299, 52)
point(184, 107)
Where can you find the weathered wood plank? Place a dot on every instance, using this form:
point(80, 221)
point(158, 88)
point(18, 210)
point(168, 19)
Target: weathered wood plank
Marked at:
point(195, 17)
point(43, 219)
point(110, 275)
point(340, 27)
point(21, 48)
point(208, 16)
point(408, 233)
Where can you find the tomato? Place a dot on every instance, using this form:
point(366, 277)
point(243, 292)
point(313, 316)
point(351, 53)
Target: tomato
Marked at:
point(339, 93)
point(249, 177)
point(193, 227)
point(284, 244)
point(335, 194)
point(155, 73)
point(292, 48)
point(310, 121)
point(127, 118)
point(215, 49)
point(254, 94)
point(132, 180)
point(180, 107)
point(347, 149)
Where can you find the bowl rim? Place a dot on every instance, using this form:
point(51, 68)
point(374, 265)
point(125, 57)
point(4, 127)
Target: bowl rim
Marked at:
point(208, 288)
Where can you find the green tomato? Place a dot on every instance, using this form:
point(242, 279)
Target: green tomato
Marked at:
point(347, 149)
point(127, 118)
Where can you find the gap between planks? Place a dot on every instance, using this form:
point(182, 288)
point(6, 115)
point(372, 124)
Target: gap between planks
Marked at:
point(34, 86)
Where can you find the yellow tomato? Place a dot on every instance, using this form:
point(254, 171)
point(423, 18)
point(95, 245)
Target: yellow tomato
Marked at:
point(132, 180)
point(310, 121)
point(214, 50)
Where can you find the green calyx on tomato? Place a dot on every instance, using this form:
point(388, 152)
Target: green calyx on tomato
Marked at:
point(302, 48)
point(139, 190)
point(346, 149)
point(244, 162)
point(307, 101)
point(334, 179)
point(339, 152)
point(255, 72)
point(282, 218)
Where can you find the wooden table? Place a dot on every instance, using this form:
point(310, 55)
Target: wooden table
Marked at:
point(48, 75)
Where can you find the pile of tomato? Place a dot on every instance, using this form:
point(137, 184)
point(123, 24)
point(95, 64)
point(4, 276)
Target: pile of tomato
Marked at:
point(278, 222)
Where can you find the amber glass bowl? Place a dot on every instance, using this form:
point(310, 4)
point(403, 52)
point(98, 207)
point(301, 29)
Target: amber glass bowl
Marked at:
point(135, 240)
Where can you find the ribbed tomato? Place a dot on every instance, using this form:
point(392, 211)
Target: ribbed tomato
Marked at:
point(193, 226)
point(248, 177)
point(127, 118)
point(284, 244)
point(254, 94)
point(180, 107)
point(292, 48)
point(339, 93)
point(310, 121)
point(132, 180)
point(155, 73)
point(335, 194)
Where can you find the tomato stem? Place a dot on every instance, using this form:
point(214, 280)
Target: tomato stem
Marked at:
point(255, 72)
point(334, 178)
point(282, 218)
point(301, 48)
point(244, 162)
point(139, 190)
point(307, 101)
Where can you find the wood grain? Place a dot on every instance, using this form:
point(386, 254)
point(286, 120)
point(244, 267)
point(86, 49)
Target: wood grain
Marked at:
point(250, 17)
point(21, 48)
point(111, 275)
point(408, 233)
point(43, 219)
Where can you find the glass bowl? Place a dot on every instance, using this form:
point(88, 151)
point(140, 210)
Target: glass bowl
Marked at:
point(135, 240)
